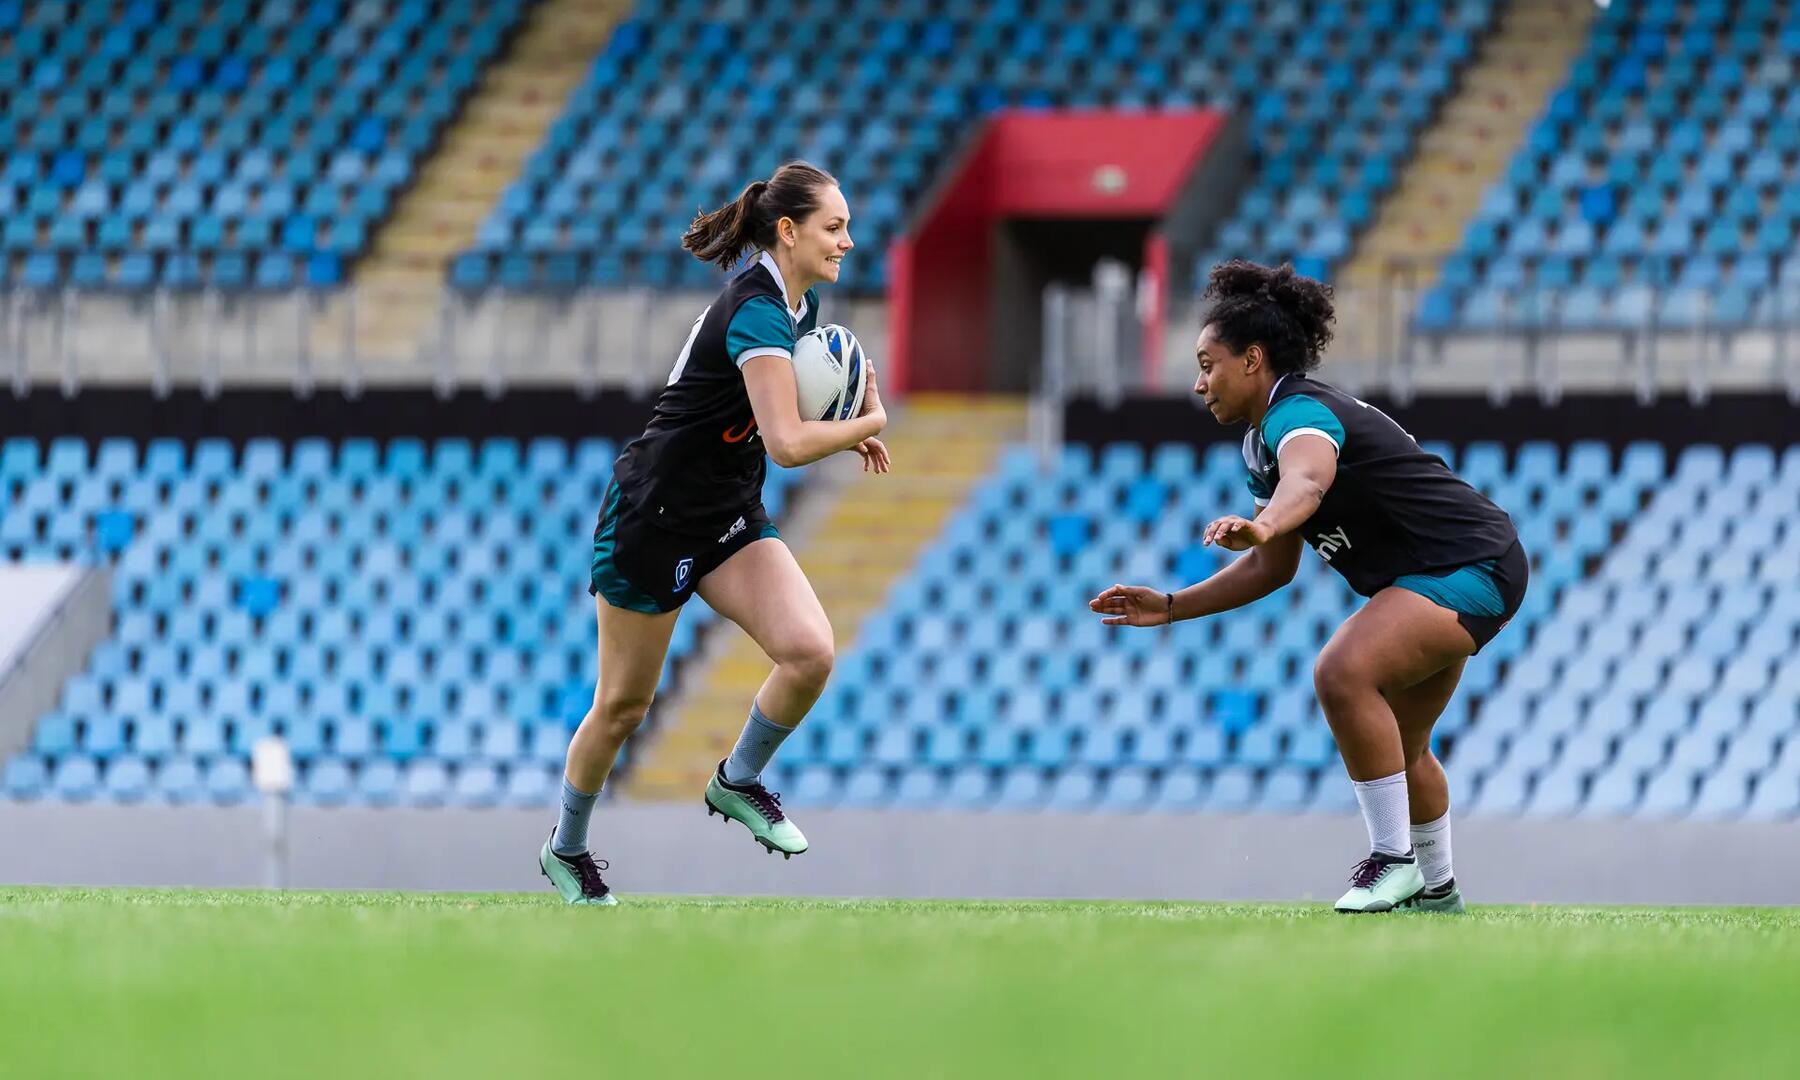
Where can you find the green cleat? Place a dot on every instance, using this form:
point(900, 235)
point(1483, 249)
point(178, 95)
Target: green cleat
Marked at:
point(1382, 883)
point(760, 811)
point(576, 877)
point(1446, 899)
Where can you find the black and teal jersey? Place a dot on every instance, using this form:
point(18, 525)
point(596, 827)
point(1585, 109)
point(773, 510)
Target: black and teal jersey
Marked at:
point(700, 463)
point(1393, 509)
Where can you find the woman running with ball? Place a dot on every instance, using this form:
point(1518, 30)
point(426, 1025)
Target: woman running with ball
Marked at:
point(1441, 565)
point(684, 513)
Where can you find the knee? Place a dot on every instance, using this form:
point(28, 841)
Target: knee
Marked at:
point(1339, 678)
point(616, 716)
point(810, 660)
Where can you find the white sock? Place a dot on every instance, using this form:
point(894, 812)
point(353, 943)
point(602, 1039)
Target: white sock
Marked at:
point(1383, 803)
point(1431, 843)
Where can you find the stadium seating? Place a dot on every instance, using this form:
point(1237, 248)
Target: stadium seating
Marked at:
point(1660, 186)
point(244, 143)
point(693, 97)
point(1668, 682)
point(986, 683)
point(413, 618)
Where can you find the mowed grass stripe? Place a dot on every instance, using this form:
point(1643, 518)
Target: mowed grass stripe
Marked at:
point(202, 983)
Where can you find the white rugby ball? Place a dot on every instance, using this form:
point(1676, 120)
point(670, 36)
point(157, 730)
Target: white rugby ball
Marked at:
point(830, 372)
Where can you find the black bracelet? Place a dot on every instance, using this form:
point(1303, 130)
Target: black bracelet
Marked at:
point(1171, 598)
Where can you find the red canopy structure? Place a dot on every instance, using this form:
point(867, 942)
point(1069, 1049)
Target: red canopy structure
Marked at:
point(1035, 194)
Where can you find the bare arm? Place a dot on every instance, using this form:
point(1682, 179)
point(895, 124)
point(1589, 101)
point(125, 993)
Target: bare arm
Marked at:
point(1308, 466)
point(792, 441)
point(1256, 575)
point(1268, 567)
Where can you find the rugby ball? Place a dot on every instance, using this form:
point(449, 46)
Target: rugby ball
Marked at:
point(830, 373)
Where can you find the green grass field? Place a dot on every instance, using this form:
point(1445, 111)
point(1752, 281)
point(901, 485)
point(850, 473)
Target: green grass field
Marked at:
point(173, 983)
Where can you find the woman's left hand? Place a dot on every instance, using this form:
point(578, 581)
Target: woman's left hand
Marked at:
point(1235, 533)
point(875, 455)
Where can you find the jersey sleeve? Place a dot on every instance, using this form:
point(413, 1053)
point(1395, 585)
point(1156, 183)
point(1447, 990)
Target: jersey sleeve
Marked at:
point(759, 327)
point(1258, 470)
point(1300, 415)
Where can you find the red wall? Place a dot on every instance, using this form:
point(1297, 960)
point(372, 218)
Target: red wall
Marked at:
point(1087, 165)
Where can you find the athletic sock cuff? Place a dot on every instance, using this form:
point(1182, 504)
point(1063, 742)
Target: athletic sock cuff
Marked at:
point(1431, 827)
point(1381, 781)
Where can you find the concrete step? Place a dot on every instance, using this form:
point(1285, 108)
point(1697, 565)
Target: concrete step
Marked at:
point(517, 99)
point(1501, 92)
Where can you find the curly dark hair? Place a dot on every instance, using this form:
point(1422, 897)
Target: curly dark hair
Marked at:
point(1286, 313)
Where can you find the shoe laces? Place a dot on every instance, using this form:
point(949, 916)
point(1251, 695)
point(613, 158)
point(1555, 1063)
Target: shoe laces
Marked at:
point(1369, 871)
point(587, 871)
point(765, 801)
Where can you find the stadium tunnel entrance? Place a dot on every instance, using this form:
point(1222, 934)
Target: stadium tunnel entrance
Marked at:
point(1031, 254)
point(1042, 198)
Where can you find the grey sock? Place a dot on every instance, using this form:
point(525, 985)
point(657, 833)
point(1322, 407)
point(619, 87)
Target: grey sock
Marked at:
point(755, 747)
point(572, 825)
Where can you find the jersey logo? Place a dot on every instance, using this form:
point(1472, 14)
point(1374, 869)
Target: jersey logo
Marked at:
point(735, 436)
point(737, 527)
point(682, 570)
point(1328, 544)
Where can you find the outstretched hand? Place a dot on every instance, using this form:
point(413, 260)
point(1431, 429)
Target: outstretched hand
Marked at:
point(1132, 605)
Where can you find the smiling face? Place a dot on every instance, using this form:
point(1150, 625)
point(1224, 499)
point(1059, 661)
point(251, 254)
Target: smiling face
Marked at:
point(1230, 382)
point(818, 244)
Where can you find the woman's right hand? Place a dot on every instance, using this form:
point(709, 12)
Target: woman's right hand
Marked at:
point(1132, 605)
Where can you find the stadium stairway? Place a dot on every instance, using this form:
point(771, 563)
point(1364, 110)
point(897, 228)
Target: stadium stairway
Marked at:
point(1506, 88)
point(513, 106)
point(866, 538)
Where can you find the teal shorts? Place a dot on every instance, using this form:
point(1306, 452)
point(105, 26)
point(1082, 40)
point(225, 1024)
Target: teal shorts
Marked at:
point(1485, 595)
point(640, 566)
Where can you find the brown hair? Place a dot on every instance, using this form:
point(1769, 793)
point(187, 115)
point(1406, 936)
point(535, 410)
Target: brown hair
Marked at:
point(749, 220)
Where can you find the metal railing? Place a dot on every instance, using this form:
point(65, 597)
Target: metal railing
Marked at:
point(347, 339)
point(1525, 341)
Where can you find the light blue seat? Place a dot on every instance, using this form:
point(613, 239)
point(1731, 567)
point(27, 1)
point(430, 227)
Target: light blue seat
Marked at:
point(1021, 788)
point(1287, 790)
point(1776, 797)
point(426, 783)
point(126, 780)
point(477, 784)
point(813, 785)
point(379, 782)
point(866, 786)
point(530, 785)
point(25, 777)
point(1615, 792)
point(326, 782)
point(1722, 797)
point(1182, 789)
point(970, 787)
point(226, 780)
point(1074, 788)
point(177, 781)
point(1233, 790)
point(919, 788)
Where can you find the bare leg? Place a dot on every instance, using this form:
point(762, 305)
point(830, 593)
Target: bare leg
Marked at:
point(632, 648)
point(763, 590)
point(1397, 641)
point(1417, 708)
